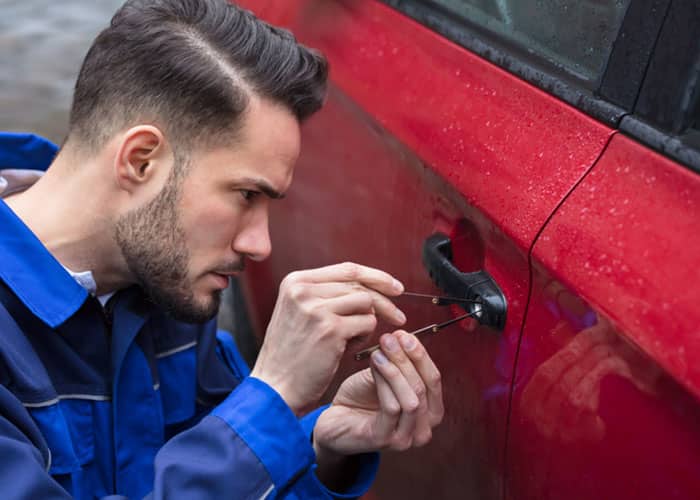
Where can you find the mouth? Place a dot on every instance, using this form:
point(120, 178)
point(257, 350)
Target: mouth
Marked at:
point(222, 279)
point(224, 276)
point(228, 274)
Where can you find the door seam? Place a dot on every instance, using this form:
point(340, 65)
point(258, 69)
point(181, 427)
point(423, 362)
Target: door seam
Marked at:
point(529, 297)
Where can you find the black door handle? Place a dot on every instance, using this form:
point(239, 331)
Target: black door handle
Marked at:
point(477, 286)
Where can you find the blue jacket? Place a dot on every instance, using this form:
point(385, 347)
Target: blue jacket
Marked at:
point(123, 400)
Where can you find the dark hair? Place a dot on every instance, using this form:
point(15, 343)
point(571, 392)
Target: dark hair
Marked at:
point(190, 66)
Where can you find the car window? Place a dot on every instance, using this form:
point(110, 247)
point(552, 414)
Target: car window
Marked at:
point(575, 35)
point(666, 115)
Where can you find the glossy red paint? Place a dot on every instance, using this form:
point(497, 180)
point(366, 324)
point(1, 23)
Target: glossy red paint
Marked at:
point(605, 403)
point(385, 203)
point(627, 242)
point(473, 123)
point(420, 135)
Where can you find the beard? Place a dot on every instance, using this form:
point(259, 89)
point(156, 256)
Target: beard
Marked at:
point(152, 242)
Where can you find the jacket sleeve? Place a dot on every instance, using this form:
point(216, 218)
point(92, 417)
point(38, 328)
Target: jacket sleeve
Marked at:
point(366, 464)
point(250, 446)
point(25, 456)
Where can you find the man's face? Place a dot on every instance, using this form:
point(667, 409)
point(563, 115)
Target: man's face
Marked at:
point(183, 246)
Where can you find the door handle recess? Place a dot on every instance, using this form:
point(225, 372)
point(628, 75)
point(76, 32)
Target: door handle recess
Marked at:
point(477, 286)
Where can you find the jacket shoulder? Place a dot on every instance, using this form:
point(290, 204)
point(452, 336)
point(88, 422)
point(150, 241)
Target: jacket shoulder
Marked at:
point(23, 151)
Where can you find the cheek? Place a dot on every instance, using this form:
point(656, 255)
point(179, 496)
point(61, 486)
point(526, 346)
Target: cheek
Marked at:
point(210, 226)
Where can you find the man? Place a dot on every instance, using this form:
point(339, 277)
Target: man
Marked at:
point(184, 128)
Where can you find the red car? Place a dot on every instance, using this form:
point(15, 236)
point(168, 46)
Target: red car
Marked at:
point(540, 158)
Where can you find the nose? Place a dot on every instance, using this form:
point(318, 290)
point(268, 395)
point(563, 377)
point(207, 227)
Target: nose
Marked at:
point(253, 240)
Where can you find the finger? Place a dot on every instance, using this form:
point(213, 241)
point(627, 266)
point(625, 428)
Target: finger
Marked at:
point(396, 354)
point(422, 432)
point(407, 398)
point(357, 325)
point(399, 426)
point(387, 310)
point(428, 372)
point(389, 407)
point(336, 289)
point(425, 420)
point(352, 303)
point(349, 272)
point(383, 307)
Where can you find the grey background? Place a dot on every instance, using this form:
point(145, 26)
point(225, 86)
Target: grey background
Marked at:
point(42, 43)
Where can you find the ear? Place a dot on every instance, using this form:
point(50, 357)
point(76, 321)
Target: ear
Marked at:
point(142, 157)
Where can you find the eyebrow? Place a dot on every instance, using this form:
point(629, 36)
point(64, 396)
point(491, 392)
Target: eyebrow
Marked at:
point(263, 186)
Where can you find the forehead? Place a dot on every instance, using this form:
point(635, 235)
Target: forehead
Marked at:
point(270, 127)
point(267, 146)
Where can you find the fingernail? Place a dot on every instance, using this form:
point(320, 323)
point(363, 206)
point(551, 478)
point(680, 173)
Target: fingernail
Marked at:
point(398, 286)
point(400, 316)
point(408, 342)
point(391, 344)
point(379, 358)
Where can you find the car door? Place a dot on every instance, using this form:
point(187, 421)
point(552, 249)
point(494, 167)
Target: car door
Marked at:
point(428, 153)
point(606, 394)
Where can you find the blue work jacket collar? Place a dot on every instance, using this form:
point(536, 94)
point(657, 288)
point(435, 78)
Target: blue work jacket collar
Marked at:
point(34, 275)
point(31, 272)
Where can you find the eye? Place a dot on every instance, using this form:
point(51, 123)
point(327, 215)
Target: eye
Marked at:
point(249, 195)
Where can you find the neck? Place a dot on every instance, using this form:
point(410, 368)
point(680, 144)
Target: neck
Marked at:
point(68, 209)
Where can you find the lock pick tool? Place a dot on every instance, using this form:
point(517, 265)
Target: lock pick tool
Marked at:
point(435, 327)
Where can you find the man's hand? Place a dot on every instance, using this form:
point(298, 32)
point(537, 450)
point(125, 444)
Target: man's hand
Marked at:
point(317, 313)
point(394, 405)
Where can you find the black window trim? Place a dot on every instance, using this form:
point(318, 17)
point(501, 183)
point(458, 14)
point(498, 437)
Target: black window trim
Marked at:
point(671, 90)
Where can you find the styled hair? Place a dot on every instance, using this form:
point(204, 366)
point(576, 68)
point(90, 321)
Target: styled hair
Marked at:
point(190, 66)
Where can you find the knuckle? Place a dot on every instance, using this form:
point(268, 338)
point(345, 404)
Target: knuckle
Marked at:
point(411, 407)
point(402, 443)
point(435, 380)
point(339, 349)
point(328, 325)
point(418, 353)
point(380, 441)
point(372, 322)
point(308, 308)
point(423, 438)
point(439, 415)
point(435, 416)
point(436, 419)
point(295, 291)
point(351, 270)
point(366, 299)
point(393, 409)
point(420, 390)
point(290, 279)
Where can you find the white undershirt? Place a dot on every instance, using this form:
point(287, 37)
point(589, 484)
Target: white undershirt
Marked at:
point(87, 281)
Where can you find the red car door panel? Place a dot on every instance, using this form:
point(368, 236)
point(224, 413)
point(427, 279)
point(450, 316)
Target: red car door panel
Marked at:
point(605, 400)
point(419, 136)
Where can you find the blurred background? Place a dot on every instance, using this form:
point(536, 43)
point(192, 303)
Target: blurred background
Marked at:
point(42, 43)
